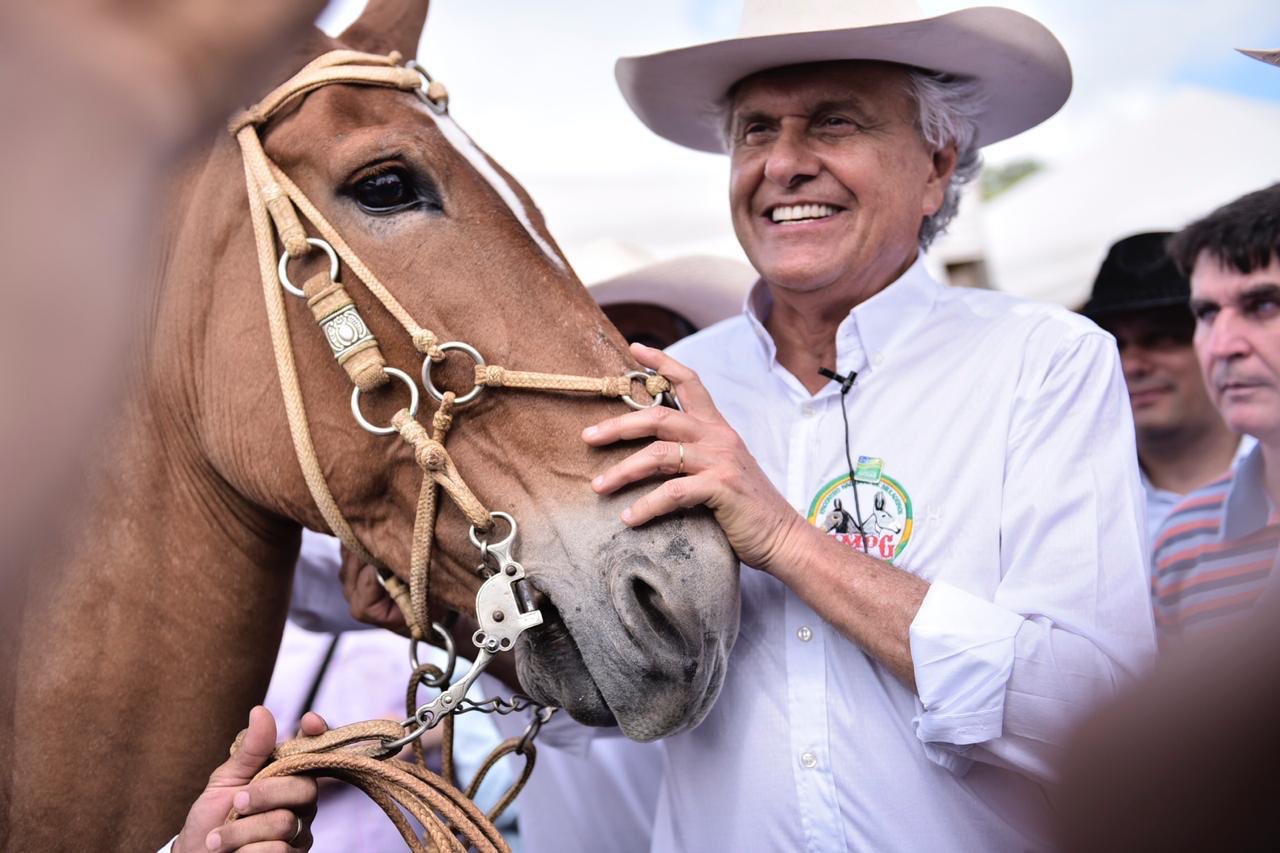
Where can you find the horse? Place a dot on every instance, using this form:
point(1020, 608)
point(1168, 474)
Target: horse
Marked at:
point(146, 637)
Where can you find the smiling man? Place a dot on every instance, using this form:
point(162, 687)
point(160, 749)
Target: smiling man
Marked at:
point(1216, 553)
point(1140, 297)
point(904, 678)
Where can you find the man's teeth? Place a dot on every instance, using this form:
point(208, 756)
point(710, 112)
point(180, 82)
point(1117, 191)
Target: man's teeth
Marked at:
point(794, 212)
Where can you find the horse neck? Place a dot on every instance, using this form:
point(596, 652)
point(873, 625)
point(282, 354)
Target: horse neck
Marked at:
point(186, 583)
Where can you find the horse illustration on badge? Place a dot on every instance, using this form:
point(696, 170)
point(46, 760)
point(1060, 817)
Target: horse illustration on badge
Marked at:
point(879, 510)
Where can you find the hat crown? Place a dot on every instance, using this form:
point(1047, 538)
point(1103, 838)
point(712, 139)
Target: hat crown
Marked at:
point(1137, 274)
point(770, 17)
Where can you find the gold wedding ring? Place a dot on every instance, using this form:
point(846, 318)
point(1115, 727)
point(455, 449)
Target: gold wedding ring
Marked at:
point(680, 467)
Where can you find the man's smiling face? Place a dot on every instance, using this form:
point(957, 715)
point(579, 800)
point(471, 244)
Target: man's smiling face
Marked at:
point(829, 176)
point(1238, 341)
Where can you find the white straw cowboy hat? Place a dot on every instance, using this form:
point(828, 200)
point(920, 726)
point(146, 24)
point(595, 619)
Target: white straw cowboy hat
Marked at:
point(1023, 69)
point(704, 289)
point(1271, 57)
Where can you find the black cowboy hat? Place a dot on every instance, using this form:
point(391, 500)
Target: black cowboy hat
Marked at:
point(1138, 274)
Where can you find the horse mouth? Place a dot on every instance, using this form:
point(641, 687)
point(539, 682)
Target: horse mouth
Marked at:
point(553, 671)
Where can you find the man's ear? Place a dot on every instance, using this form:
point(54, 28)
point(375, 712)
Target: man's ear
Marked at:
point(942, 167)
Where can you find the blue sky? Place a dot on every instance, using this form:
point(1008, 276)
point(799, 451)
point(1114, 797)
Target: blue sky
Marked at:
point(1235, 73)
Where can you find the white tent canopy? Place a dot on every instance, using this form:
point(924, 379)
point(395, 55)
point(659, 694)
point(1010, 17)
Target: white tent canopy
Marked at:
point(1160, 168)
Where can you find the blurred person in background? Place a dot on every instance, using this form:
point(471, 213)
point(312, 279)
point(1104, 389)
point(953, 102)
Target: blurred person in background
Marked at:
point(1140, 297)
point(1216, 552)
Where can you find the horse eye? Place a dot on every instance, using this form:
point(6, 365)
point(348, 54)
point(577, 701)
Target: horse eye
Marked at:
point(386, 192)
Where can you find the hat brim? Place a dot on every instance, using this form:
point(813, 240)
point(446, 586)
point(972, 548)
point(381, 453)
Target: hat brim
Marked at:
point(1106, 309)
point(1022, 68)
point(1271, 57)
point(701, 288)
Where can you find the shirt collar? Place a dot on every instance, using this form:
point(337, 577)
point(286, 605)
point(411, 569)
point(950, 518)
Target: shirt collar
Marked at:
point(866, 338)
point(1247, 506)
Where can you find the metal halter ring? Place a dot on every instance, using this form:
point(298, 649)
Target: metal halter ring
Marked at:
point(445, 677)
point(283, 269)
point(541, 717)
point(388, 430)
point(391, 747)
point(485, 545)
point(436, 393)
point(642, 375)
point(437, 108)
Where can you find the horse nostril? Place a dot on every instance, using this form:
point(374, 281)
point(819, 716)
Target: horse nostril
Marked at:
point(652, 606)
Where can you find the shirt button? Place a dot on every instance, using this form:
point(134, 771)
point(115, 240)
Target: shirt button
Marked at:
point(808, 411)
point(808, 760)
point(879, 358)
point(804, 634)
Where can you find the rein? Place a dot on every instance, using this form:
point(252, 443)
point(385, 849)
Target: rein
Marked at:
point(356, 753)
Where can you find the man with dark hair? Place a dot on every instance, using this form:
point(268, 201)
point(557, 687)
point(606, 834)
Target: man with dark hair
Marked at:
point(1140, 297)
point(1216, 552)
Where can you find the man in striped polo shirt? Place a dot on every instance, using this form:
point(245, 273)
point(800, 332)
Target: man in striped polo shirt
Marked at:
point(1216, 553)
point(1141, 297)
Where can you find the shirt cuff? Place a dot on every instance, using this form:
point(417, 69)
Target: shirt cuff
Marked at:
point(962, 649)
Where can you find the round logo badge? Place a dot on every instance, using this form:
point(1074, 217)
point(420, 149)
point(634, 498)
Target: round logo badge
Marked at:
point(880, 513)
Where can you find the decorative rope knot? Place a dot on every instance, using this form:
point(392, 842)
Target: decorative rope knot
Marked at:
point(431, 456)
point(491, 375)
point(409, 429)
point(437, 93)
point(246, 118)
point(657, 384)
point(371, 376)
point(427, 452)
point(442, 420)
point(425, 342)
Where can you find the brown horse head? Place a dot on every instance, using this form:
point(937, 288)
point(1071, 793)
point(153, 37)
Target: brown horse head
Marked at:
point(154, 627)
point(646, 618)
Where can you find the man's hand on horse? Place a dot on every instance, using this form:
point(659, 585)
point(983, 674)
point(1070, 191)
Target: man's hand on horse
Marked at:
point(707, 463)
point(279, 809)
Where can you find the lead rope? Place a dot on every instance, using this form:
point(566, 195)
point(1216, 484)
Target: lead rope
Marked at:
point(357, 753)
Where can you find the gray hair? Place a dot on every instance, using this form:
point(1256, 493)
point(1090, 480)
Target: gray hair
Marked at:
point(947, 112)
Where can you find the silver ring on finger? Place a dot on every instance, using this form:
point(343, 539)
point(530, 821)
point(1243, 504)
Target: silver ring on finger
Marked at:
point(296, 831)
point(680, 466)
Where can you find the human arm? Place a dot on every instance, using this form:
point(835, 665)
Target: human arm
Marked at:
point(1005, 675)
point(278, 809)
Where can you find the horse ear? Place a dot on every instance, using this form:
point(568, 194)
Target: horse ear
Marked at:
point(387, 25)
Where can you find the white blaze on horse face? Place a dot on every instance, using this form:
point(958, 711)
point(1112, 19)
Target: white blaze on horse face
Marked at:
point(462, 143)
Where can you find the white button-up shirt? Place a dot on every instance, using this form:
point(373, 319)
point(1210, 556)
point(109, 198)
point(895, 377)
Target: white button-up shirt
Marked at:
point(995, 459)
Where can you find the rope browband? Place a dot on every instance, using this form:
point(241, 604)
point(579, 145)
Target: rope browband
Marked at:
point(277, 208)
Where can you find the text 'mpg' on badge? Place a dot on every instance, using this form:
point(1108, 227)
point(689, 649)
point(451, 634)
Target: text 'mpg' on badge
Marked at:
point(880, 513)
